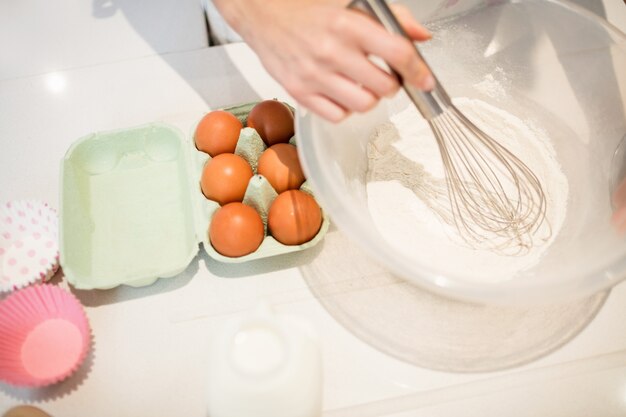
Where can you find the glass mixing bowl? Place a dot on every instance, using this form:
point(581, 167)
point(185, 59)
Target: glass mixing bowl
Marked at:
point(561, 69)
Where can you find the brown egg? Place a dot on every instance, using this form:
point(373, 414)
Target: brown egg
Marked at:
point(273, 120)
point(225, 178)
point(281, 166)
point(25, 411)
point(294, 218)
point(236, 230)
point(217, 133)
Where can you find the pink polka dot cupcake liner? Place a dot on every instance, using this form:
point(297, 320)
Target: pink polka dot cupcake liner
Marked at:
point(44, 336)
point(29, 248)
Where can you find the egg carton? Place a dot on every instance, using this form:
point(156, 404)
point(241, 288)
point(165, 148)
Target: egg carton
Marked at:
point(132, 210)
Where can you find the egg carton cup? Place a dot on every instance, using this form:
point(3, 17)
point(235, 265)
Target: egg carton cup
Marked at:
point(44, 336)
point(29, 250)
point(132, 210)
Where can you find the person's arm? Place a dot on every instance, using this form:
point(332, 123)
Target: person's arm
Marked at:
point(318, 50)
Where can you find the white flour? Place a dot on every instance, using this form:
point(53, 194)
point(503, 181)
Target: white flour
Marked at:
point(491, 84)
point(407, 196)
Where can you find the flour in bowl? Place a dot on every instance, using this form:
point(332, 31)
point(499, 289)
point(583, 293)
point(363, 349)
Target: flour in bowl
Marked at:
point(408, 198)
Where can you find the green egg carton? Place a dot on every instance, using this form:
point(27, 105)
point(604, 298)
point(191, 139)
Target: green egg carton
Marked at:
point(132, 210)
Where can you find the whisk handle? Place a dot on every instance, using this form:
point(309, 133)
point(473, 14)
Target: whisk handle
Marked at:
point(429, 103)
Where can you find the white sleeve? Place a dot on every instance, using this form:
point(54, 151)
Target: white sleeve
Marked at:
point(221, 32)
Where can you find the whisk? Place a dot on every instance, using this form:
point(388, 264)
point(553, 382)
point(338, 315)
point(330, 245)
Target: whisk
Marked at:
point(496, 200)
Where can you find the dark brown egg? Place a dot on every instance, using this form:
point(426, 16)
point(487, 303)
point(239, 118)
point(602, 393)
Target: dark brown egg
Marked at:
point(236, 230)
point(273, 120)
point(281, 166)
point(225, 178)
point(218, 133)
point(294, 218)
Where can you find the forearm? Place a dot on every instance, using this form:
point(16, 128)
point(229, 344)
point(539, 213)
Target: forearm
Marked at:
point(244, 16)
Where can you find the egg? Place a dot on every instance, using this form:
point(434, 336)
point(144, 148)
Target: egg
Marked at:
point(225, 178)
point(273, 121)
point(280, 165)
point(218, 133)
point(294, 217)
point(25, 411)
point(236, 230)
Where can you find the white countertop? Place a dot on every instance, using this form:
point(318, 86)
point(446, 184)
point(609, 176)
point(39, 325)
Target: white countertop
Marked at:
point(39, 36)
point(150, 343)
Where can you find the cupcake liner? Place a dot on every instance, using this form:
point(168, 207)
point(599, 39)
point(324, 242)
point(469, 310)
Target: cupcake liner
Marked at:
point(44, 336)
point(29, 251)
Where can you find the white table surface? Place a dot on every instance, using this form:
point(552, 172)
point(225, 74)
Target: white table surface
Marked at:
point(39, 36)
point(150, 343)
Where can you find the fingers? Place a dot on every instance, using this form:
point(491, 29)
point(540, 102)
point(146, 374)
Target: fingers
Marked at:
point(355, 84)
point(619, 200)
point(619, 195)
point(619, 220)
point(347, 93)
point(397, 51)
point(330, 93)
point(365, 73)
point(411, 26)
point(332, 75)
point(324, 107)
point(337, 96)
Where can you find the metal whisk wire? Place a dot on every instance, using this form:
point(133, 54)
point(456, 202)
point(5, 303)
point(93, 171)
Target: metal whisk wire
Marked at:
point(496, 200)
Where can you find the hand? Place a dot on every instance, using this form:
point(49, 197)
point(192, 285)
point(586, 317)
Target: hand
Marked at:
point(318, 51)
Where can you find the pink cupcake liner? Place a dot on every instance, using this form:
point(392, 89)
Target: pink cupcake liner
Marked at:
point(29, 249)
point(44, 336)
